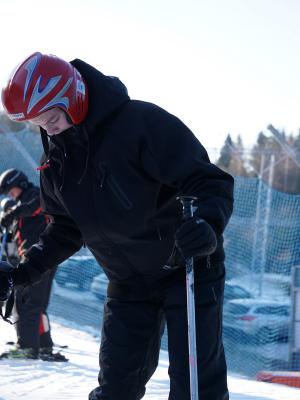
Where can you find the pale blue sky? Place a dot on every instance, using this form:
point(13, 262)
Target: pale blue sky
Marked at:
point(219, 65)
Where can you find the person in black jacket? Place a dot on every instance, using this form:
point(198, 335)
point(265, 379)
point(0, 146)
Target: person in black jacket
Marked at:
point(25, 222)
point(9, 249)
point(111, 174)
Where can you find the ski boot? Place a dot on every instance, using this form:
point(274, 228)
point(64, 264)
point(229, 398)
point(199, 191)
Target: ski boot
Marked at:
point(19, 353)
point(46, 354)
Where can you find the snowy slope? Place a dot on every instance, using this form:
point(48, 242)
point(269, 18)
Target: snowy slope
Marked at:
point(39, 380)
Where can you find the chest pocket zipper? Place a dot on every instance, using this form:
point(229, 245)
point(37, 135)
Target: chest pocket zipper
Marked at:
point(108, 179)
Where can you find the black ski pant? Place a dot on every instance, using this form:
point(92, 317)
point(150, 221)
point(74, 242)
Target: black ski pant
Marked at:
point(32, 327)
point(131, 335)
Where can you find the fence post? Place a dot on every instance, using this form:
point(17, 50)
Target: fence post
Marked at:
point(266, 225)
point(257, 219)
point(294, 334)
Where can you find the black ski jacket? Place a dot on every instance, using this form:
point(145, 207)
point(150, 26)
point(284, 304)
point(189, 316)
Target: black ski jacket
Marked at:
point(31, 222)
point(111, 183)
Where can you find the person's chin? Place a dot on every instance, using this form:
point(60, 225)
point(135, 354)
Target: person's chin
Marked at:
point(54, 133)
point(62, 131)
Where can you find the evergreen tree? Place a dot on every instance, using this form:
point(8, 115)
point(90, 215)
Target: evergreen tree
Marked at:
point(232, 157)
point(237, 162)
point(257, 153)
point(286, 173)
point(226, 154)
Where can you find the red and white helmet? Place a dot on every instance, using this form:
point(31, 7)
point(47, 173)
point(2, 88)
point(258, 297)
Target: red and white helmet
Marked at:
point(42, 82)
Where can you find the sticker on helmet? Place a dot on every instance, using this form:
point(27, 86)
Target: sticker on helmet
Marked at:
point(13, 178)
point(15, 117)
point(80, 87)
point(38, 94)
point(59, 100)
point(30, 68)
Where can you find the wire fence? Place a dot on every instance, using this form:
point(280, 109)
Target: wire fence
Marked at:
point(262, 243)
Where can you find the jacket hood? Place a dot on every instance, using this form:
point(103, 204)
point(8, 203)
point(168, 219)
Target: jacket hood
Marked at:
point(105, 94)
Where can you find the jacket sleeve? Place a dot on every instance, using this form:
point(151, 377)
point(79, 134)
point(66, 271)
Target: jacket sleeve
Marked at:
point(27, 209)
point(59, 241)
point(173, 156)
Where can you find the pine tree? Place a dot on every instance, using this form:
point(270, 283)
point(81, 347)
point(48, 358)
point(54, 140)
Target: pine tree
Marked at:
point(226, 154)
point(237, 162)
point(286, 174)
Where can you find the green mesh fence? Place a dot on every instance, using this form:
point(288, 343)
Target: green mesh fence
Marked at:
point(262, 247)
point(262, 244)
point(22, 150)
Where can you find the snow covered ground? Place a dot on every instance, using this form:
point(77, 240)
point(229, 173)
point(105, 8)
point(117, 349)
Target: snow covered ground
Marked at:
point(39, 380)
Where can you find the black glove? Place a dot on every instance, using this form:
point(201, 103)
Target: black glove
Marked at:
point(8, 218)
point(195, 238)
point(6, 281)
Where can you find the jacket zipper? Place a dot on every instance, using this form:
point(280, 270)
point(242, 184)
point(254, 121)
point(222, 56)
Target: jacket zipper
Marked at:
point(208, 262)
point(158, 232)
point(114, 187)
point(113, 246)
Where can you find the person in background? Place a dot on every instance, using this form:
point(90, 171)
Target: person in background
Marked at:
point(10, 250)
point(24, 222)
point(111, 174)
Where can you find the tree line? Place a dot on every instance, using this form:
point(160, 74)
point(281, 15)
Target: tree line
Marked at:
point(278, 151)
point(274, 158)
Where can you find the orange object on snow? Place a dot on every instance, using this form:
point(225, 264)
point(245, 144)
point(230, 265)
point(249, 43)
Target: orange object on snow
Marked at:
point(290, 378)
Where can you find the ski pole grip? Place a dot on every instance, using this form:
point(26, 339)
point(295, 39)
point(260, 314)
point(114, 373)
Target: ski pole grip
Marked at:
point(187, 205)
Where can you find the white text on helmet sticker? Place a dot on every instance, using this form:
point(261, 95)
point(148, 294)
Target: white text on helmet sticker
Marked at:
point(15, 117)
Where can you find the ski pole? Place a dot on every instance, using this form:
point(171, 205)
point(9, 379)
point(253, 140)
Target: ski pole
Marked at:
point(187, 205)
point(3, 243)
